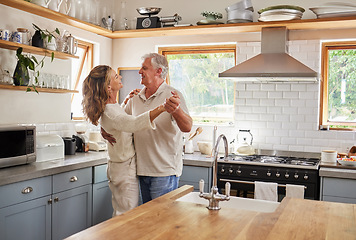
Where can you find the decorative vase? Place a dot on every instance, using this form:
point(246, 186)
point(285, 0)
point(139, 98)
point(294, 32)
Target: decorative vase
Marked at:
point(37, 41)
point(21, 76)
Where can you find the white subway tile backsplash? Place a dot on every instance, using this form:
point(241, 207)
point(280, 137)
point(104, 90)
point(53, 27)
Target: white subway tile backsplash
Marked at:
point(244, 94)
point(268, 87)
point(260, 94)
point(288, 141)
point(252, 102)
point(267, 102)
point(304, 141)
point(282, 102)
point(283, 87)
point(290, 95)
point(240, 86)
point(274, 110)
point(281, 133)
point(306, 111)
point(296, 134)
point(281, 118)
point(296, 117)
point(253, 87)
point(289, 110)
point(306, 95)
point(262, 110)
point(299, 87)
point(275, 94)
point(305, 126)
point(274, 125)
point(289, 125)
point(297, 103)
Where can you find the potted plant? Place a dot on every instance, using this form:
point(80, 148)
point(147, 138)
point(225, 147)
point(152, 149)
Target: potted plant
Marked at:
point(26, 62)
point(42, 36)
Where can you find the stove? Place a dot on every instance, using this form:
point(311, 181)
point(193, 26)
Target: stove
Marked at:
point(280, 167)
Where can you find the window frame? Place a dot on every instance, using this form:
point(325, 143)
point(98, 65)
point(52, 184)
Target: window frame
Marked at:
point(323, 114)
point(221, 48)
point(89, 59)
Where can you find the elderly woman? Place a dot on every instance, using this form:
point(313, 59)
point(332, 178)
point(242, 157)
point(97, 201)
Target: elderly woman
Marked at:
point(100, 89)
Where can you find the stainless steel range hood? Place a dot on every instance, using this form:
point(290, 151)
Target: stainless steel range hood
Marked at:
point(273, 64)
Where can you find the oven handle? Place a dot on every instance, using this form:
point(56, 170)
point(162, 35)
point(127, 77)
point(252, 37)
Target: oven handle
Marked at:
point(249, 182)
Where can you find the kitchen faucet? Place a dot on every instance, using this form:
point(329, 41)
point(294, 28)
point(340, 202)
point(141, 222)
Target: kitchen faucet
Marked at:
point(214, 196)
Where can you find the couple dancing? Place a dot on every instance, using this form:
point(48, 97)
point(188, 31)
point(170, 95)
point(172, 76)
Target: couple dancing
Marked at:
point(157, 116)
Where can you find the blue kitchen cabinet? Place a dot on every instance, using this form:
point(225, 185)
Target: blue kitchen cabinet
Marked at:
point(25, 210)
point(52, 207)
point(338, 190)
point(102, 207)
point(72, 202)
point(191, 175)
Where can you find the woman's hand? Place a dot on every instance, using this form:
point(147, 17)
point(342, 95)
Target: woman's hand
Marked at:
point(172, 104)
point(131, 94)
point(107, 136)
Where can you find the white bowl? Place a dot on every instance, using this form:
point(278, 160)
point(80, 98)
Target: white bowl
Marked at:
point(205, 147)
point(347, 162)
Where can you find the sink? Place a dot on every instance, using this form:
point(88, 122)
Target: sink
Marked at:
point(249, 204)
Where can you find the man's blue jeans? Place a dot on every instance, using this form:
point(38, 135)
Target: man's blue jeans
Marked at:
point(153, 187)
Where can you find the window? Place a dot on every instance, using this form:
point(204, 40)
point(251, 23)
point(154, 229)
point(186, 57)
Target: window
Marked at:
point(80, 70)
point(194, 71)
point(338, 88)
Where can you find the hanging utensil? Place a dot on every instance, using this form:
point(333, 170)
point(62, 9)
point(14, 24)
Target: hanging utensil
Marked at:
point(196, 133)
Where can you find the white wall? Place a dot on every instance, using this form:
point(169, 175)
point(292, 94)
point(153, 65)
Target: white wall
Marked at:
point(281, 116)
point(21, 107)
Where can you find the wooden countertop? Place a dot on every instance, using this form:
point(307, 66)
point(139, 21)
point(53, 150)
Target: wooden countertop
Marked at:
point(164, 218)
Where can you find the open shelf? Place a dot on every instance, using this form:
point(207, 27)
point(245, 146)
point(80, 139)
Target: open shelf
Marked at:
point(325, 23)
point(59, 17)
point(35, 50)
point(304, 24)
point(48, 90)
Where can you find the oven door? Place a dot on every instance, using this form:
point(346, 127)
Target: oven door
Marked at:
point(242, 180)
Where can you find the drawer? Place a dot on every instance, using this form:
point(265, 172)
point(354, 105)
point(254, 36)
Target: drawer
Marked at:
point(194, 174)
point(24, 191)
point(100, 173)
point(339, 187)
point(72, 179)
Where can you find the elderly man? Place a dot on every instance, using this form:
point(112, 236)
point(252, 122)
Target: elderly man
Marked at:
point(159, 151)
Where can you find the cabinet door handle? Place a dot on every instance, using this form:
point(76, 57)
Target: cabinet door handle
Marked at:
point(50, 201)
point(56, 199)
point(73, 179)
point(27, 190)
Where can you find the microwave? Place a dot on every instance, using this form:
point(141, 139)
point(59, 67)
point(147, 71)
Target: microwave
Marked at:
point(17, 145)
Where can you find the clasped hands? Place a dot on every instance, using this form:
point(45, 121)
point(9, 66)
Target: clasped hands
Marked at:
point(171, 105)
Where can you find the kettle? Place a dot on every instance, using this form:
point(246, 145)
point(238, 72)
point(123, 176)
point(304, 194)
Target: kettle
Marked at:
point(72, 44)
point(243, 147)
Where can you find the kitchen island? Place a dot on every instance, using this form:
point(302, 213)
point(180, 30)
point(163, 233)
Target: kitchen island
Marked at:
point(165, 218)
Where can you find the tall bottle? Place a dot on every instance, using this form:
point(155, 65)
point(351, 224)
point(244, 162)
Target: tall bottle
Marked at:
point(123, 24)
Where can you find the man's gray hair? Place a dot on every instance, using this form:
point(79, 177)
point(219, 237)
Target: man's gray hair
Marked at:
point(158, 61)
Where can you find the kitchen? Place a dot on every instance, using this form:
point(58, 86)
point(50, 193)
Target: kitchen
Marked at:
point(288, 120)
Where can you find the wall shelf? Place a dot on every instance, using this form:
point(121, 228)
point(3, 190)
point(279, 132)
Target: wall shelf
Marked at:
point(35, 50)
point(47, 90)
point(305, 24)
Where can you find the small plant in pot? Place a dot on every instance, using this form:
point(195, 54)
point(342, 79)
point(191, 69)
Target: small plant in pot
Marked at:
point(44, 38)
point(26, 62)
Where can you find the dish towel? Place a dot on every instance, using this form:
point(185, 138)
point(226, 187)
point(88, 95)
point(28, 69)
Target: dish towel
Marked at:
point(266, 191)
point(295, 191)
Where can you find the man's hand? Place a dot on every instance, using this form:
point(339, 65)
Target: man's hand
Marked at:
point(108, 137)
point(172, 104)
point(131, 94)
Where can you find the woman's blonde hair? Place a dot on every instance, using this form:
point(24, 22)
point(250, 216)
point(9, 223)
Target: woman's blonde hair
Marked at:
point(95, 93)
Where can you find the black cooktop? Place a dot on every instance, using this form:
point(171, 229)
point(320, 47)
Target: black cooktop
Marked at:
point(271, 160)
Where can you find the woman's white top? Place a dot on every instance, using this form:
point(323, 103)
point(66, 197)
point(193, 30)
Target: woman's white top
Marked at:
point(121, 125)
